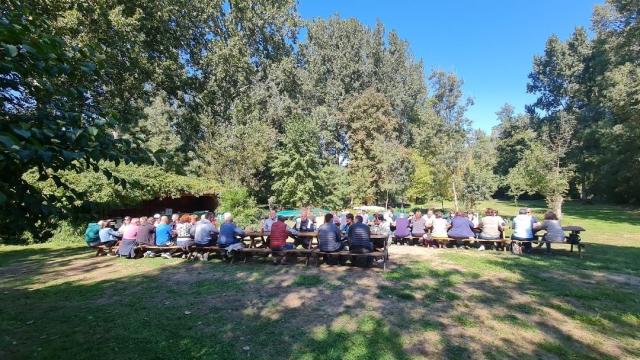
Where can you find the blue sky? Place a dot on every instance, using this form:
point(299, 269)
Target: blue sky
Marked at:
point(490, 44)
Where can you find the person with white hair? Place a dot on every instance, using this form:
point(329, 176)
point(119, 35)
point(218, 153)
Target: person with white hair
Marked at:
point(108, 236)
point(229, 233)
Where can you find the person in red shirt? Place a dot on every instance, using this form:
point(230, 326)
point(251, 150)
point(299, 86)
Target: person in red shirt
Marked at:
point(279, 234)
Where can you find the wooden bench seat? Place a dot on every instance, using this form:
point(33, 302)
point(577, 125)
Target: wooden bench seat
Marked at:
point(580, 245)
point(374, 254)
point(104, 250)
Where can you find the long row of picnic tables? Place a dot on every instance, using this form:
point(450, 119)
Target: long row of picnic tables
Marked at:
point(256, 242)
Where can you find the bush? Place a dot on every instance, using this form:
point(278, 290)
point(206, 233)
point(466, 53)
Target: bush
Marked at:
point(236, 200)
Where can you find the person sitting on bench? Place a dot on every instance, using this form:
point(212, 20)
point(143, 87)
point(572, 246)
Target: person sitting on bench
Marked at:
point(402, 228)
point(303, 224)
point(359, 237)
point(108, 236)
point(439, 226)
point(202, 232)
point(229, 232)
point(419, 225)
point(554, 230)
point(279, 234)
point(523, 229)
point(164, 235)
point(129, 234)
point(461, 229)
point(490, 226)
point(329, 235)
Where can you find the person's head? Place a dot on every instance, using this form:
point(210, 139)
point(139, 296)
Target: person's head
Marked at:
point(349, 218)
point(102, 224)
point(209, 216)
point(304, 214)
point(418, 214)
point(438, 214)
point(227, 217)
point(495, 212)
point(150, 221)
point(184, 218)
point(550, 215)
point(460, 213)
point(470, 214)
point(281, 218)
point(193, 218)
point(135, 221)
point(164, 220)
point(157, 217)
point(529, 211)
point(358, 218)
point(522, 211)
point(175, 217)
point(328, 218)
point(272, 214)
point(430, 213)
point(488, 212)
point(127, 220)
point(143, 220)
point(390, 209)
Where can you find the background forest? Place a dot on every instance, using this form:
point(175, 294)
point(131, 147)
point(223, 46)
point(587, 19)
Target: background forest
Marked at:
point(105, 103)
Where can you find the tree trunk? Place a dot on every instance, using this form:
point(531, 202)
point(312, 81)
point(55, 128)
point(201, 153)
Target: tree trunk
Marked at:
point(556, 205)
point(386, 204)
point(455, 195)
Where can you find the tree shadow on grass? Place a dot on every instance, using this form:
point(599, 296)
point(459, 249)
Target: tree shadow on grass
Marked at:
point(218, 310)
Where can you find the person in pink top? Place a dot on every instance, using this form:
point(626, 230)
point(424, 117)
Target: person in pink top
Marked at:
point(129, 233)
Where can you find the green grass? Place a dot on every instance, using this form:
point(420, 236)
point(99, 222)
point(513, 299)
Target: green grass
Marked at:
point(60, 302)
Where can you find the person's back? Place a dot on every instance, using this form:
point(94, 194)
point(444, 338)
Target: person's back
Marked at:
point(163, 234)
point(554, 230)
point(490, 227)
point(439, 228)
point(328, 237)
point(359, 237)
point(146, 233)
point(278, 236)
point(419, 226)
point(130, 232)
point(92, 234)
point(202, 232)
point(461, 227)
point(522, 227)
point(402, 228)
point(228, 234)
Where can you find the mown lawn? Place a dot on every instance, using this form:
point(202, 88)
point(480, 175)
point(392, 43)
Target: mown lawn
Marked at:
point(60, 302)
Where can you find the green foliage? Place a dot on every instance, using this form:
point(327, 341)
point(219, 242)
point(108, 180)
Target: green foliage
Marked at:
point(102, 194)
point(50, 120)
point(422, 181)
point(297, 166)
point(236, 200)
point(596, 81)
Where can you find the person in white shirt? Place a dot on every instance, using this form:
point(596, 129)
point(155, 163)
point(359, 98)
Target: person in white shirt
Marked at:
point(523, 229)
point(439, 227)
point(429, 217)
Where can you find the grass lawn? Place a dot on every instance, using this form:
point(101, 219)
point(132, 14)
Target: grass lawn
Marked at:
point(59, 302)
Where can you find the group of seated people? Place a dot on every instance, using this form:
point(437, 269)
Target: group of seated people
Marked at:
point(334, 233)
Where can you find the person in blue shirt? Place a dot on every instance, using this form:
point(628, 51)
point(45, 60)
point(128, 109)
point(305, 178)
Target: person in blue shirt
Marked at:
point(229, 232)
point(164, 234)
point(108, 236)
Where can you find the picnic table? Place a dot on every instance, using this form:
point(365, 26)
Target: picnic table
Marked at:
point(257, 245)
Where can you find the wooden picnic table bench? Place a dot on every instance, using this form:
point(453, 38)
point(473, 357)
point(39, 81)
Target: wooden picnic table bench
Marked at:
point(572, 239)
